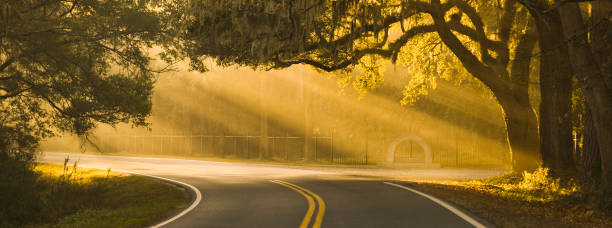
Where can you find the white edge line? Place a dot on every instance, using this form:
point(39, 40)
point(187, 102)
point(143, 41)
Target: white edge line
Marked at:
point(184, 212)
point(443, 204)
point(195, 203)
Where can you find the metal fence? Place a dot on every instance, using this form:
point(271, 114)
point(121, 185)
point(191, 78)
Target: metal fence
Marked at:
point(246, 146)
point(321, 149)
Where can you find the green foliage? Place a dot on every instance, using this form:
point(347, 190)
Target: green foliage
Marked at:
point(343, 36)
point(536, 186)
point(329, 35)
point(64, 67)
point(367, 76)
point(67, 65)
point(18, 195)
point(578, 108)
point(539, 180)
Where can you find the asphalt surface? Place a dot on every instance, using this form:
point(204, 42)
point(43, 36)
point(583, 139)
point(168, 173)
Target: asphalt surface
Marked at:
point(253, 195)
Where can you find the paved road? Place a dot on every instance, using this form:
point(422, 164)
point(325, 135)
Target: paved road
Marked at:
point(250, 195)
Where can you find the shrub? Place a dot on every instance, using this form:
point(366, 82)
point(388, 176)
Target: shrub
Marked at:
point(19, 201)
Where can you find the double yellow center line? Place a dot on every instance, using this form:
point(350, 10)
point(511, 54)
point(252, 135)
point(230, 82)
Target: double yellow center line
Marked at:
point(311, 204)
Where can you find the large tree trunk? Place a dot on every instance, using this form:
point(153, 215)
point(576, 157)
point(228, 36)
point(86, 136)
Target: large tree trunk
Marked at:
point(602, 49)
point(521, 122)
point(601, 37)
point(523, 135)
point(520, 118)
point(591, 160)
point(593, 83)
point(555, 88)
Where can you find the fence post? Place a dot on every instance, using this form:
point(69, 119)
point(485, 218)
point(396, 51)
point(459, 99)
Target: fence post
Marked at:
point(332, 146)
point(152, 146)
point(315, 147)
point(367, 138)
point(142, 145)
point(222, 144)
point(248, 145)
point(433, 148)
point(286, 142)
point(236, 146)
point(272, 154)
point(456, 150)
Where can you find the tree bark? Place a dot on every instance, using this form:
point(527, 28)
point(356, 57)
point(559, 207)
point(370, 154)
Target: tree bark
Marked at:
point(591, 160)
point(555, 88)
point(594, 86)
point(520, 119)
point(523, 137)
point(601, 37)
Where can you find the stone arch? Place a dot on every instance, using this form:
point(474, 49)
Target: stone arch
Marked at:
point(411, 137)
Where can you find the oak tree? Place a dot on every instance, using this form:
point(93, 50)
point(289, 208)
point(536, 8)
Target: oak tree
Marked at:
point(338, 35)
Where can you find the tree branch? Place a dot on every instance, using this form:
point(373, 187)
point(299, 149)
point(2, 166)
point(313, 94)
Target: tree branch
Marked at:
point(14, 94)
point(481, 37)
point(505, 27)
point(471, 63)
point(391, 52)
point(6, 64)
point(520, 66)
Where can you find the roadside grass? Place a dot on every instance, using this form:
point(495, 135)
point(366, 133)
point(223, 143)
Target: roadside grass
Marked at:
point(526, 200)
point(71, 196)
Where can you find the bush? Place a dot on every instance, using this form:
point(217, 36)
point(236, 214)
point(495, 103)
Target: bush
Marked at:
point(19, 202)
point(27, 197)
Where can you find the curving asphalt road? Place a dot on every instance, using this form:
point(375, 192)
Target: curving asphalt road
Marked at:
point(253, 195)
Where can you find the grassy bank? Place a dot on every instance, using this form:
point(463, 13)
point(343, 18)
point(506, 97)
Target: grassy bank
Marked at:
point(69, 196)
point(526, 200)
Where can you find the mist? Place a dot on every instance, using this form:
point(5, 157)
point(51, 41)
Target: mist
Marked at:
point(241, 113)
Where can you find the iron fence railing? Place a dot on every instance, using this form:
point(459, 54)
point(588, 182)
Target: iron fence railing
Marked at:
point(321, 148)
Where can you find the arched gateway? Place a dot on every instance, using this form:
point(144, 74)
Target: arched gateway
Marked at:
point(410, 137)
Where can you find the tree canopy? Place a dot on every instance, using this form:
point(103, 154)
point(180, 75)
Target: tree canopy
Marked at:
point(66, 65)
point(491, 41)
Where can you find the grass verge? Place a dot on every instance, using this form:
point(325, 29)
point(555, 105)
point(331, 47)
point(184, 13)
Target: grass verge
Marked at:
point(70, 196)
point(525, 200)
